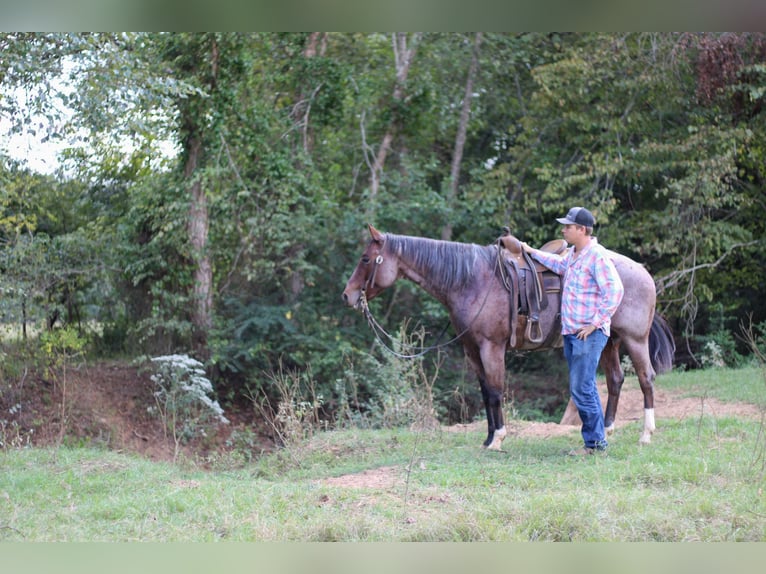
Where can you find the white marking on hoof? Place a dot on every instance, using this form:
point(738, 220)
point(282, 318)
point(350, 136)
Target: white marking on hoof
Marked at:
point(497, 439)
point(609, 429)
point(649, 427)
point(649, 420)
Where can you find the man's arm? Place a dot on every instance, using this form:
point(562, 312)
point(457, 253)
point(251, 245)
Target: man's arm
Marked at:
point(554, 262)
point(611, 289)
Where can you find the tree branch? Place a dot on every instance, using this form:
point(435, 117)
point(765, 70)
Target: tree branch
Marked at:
point(674, 278)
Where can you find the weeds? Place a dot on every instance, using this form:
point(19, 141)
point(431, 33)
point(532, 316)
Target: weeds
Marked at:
point(402, 395)
point(401, 392)
point(60, 347)
point(755, 337)
point(296, 416)
point(13, 436)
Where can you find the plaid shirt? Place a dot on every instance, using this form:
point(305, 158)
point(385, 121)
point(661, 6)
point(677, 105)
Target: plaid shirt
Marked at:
point(592, 288)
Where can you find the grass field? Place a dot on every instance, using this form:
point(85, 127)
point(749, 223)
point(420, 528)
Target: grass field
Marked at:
point(702, 479)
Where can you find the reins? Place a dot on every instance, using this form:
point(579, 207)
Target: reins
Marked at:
point(377, 328)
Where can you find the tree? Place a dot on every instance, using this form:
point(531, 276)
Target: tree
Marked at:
point(234, 247)
point(404, 50)
point(614, 122)
point(197, 59)
point(454, 178)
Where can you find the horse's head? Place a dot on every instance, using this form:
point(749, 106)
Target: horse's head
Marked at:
point(375, 271)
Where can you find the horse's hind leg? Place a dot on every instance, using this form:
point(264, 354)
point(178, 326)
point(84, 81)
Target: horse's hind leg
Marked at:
point(610, 364)
point(639, 355)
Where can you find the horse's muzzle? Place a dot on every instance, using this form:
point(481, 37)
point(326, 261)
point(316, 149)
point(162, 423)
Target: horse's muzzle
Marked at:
point(353, 299)
point(347, 300)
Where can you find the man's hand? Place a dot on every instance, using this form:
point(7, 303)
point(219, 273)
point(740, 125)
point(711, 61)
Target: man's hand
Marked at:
point(526, 247)
point(583, 333)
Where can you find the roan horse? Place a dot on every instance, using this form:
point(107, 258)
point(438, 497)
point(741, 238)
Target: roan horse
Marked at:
point(467, 279)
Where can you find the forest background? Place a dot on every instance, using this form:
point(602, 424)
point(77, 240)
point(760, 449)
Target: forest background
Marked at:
point(234, 246)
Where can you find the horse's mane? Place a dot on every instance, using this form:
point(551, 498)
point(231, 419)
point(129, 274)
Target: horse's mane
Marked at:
point(447, 263)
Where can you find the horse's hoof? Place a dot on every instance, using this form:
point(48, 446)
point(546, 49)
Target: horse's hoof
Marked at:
point(646, 438)
point(497, 439)
point(609, 429)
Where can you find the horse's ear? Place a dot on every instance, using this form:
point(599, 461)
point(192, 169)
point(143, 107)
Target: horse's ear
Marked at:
point(374, 233)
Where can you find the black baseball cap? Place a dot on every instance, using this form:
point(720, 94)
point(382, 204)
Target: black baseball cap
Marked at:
point(578, 216)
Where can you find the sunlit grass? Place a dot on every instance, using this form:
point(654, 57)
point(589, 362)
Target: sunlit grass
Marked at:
point(747, 384)
point(701, 479)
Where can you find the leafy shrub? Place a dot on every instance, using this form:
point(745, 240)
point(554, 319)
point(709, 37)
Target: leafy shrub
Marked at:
point(719, 350)
point(183, 398)
point(396, 390)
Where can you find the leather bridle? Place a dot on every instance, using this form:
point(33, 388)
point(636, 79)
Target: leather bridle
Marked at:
point(370, 282)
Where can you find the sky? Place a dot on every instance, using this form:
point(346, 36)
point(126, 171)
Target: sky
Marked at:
point(27, 146)
point(41, 154)
point(38, 156)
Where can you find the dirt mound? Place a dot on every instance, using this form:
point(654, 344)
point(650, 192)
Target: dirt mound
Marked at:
point(106, 404)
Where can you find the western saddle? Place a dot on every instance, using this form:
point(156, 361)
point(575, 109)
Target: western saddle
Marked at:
point(535, 292)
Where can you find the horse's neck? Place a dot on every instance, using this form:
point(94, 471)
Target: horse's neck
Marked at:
point(441, 268)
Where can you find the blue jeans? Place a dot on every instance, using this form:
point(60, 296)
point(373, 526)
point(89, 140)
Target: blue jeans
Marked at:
point(582, 358)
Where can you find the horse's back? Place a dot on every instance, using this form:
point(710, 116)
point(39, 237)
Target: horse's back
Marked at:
point(633, 317)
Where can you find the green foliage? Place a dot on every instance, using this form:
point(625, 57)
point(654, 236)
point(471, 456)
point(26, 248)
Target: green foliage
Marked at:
point(662, 135)
point(59, 346)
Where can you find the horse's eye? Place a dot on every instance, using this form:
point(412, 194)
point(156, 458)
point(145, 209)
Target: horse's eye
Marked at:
point(365, 259)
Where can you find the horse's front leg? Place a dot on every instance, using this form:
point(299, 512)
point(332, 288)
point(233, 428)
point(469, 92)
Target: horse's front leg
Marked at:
point(493, 363)
point(493, 407)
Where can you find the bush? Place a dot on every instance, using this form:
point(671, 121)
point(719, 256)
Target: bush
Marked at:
point(718, 350)
point(394, 391)
point(183, 398)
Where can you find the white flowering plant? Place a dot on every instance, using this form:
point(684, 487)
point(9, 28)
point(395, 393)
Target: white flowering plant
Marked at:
point(183, 398)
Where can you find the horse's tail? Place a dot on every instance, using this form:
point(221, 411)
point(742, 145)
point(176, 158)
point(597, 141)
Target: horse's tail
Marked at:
point(662, 347)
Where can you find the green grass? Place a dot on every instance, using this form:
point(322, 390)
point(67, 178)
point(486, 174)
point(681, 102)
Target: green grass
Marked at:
point(747, 384)
point(701, 479)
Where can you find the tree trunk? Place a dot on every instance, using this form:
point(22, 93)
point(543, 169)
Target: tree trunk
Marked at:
point(403, 57)
point(457, 156)
point(199, 222)
point(202, 293)
point(316, 45)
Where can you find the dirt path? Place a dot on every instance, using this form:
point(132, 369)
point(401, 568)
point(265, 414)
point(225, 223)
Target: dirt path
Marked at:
point(668, 405)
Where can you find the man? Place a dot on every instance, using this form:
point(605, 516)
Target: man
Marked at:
point(591, 293)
